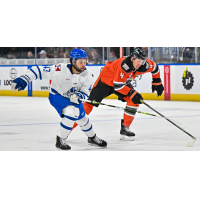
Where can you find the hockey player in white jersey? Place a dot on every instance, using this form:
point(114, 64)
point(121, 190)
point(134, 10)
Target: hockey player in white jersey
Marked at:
point(70, 82)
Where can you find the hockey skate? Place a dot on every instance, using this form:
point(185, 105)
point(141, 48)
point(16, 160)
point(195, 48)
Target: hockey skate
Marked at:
point(125, 133)
point(61, 144)
point(95, 141)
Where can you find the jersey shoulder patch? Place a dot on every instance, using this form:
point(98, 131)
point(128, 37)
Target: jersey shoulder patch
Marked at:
point(58, 67)
point(126, 65)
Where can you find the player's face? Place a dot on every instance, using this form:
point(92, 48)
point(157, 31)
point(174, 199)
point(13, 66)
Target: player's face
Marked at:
point(137, 63)
point(79, 65)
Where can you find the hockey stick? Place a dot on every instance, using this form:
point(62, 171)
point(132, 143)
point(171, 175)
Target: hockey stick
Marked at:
point(191, 143)
point(128, 109)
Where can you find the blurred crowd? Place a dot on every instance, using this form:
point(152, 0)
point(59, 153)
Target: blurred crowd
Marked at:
point(96, 55)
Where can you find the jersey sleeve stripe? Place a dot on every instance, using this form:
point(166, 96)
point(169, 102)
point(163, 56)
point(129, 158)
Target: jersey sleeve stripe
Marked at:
point(39, 72)
point(118, 82)
point(34, 74)
point(26, 79)
point(84, 94)
point(119, 87)
point(155, 70)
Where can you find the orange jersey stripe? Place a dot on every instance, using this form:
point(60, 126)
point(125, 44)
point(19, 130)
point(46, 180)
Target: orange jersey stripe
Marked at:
point(156, 83)
point(133, 94)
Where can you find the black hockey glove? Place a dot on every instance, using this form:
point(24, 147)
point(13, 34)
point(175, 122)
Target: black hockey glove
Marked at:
point(158, 86)
point(135, 96)
point(130, 83)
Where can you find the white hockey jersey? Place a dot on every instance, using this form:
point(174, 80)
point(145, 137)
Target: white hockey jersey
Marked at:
point(63, 81)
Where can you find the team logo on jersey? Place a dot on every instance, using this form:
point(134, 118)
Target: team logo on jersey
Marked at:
point(188, 79)
point(58, 67)
point(125, 66)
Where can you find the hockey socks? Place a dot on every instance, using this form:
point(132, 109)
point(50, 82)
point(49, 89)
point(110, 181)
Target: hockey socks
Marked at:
point(128, 120)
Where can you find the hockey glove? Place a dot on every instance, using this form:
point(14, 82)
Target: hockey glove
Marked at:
point(130, 83)
point(74, 98)
point(19, 83)
point(135, 96)
point(158, 86)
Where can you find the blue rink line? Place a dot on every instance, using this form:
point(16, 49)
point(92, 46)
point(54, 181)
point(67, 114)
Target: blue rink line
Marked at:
point(150, 117)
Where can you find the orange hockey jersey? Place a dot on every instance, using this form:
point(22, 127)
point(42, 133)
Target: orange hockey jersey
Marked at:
point(116, 73)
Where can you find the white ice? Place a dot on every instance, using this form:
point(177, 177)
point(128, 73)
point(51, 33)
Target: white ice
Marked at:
point(31, 124)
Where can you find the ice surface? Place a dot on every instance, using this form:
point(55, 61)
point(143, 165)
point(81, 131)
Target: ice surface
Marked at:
point(31, 124)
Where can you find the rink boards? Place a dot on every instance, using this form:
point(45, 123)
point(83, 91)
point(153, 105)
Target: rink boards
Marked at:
point(181, 82)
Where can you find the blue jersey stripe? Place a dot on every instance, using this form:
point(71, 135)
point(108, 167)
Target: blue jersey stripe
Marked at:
point(39, 72)
point(34, 74)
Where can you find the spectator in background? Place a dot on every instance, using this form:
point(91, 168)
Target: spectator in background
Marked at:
point(65, 55)
point(186, 54)
point(95, 57)
point(113, 57)
point(43, 54)
point(145, 50)
point(30, 55)
point(12, 54)
point(55, 54)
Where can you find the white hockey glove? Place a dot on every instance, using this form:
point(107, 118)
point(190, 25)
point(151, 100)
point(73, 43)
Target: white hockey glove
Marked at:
point(74, 99)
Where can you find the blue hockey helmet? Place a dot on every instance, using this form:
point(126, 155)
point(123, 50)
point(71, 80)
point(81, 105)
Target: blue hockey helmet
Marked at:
point(78, 54)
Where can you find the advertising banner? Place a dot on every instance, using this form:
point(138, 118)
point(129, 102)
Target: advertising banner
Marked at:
point(167, 86)
point(8, 74)
point(181, 82)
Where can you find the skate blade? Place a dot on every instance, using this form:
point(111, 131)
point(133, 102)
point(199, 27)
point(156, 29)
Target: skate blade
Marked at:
point(126, 138)
point(96, 145)
point(58, 149)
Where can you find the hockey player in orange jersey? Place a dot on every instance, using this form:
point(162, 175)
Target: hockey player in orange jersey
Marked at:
point(116, 77)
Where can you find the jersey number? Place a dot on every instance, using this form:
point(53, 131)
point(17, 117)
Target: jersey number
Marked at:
point(122, 75)
point(46, 69)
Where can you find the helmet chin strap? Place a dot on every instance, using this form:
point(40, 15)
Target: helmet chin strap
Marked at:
point(134, 70)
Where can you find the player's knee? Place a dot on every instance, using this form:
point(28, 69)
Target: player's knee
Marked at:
point(71, 111)
point(86, 126)
point(84, 121)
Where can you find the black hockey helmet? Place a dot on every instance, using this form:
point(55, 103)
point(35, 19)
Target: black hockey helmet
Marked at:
point(138, 53)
